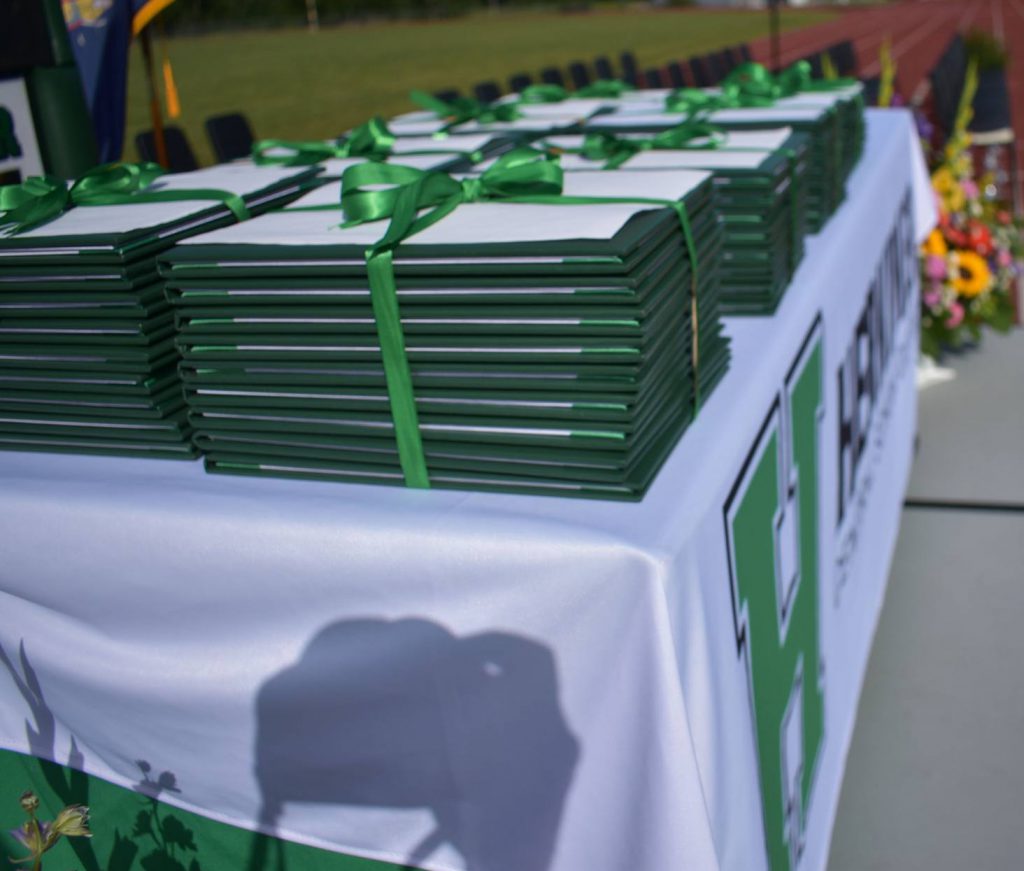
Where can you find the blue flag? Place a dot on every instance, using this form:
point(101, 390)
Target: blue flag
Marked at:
point(100, 33)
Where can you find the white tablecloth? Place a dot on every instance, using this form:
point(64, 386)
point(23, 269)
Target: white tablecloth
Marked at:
point(500, 683)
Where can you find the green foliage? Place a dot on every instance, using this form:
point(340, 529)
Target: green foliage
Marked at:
point(985, 50)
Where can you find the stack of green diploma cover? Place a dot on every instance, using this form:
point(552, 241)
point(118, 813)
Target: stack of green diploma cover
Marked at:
point(829, 160)
point(530, 120)
point(760, 187)
point(550, 346)
point(421, 152)
point(87, 356)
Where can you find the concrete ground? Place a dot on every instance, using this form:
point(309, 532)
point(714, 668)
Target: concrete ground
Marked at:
point(935, 777)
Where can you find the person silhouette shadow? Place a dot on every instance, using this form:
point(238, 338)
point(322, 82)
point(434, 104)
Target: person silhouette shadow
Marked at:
point(404, 714)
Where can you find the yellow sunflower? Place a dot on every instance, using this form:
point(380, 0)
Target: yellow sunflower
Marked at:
point(935, 244)
point(972, 275)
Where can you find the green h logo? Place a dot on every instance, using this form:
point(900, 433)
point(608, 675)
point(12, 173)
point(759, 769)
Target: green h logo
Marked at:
point(771, 525)
point(9, 146)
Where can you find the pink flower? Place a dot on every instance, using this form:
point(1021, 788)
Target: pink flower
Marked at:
point(969, 188)
point(935, 267)
point(1004, 258)
point(956, 316)
point(933, 298)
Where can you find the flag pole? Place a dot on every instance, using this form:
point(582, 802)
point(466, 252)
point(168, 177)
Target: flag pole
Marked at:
point(154, 101)
point(773, 27)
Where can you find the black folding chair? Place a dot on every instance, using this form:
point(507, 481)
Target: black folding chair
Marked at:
point(726, 62)
point(603, 68)
point(700, 72)
point(486, 92)
point(447, 96)
point(676, 77)
point(552, 76)
point(718, 67)
point(844, 58)
point(519, 82)
point(230, 135)
point(180, 157)
point(991, 130)
point(817, 71)
point(947, 83)
point(630, 70)
point(579, 74)
point(735, 55)
point(652, 78)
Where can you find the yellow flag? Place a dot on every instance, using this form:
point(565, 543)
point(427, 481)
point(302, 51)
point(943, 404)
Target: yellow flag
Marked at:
point(171, 91)
point(887, 80)
point(828, 69)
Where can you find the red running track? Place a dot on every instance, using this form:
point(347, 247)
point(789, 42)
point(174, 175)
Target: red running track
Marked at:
point(918, 32)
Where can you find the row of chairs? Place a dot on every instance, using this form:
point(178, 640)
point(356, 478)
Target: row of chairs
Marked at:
point(230, 136)
point(701, 72)
point(704, 71)
point(578, 76)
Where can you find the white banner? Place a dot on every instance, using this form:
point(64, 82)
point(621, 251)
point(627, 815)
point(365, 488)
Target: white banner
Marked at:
point(502, 683)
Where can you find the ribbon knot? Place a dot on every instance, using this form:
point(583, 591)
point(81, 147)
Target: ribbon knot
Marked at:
point(472, 190)
point(464, 109)
point(42, 198)
point(372, 140)
point(616, 150)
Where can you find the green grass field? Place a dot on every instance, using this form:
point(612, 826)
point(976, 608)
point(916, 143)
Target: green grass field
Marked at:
point(293, 84)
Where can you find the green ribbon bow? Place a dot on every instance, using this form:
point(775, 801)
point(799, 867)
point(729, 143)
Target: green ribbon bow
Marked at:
point(414, 200)
point(616, 150)
point(41, 199)
point(371, 140)
point(9, 146)
point(464, 109)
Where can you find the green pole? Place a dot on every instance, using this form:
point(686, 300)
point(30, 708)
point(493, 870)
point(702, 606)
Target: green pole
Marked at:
point(63, 126)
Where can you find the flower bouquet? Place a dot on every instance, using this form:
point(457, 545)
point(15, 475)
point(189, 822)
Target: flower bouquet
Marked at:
point(969, 261)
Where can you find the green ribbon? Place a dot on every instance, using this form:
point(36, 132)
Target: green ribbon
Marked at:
point(464, 109)
point(603, 89)
point(751, 85)
point(43, 198)
point(371, 141)
point(414, 200)
point(617, 150)
point(9, 146)
point(610, 88)
point(543, 94)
